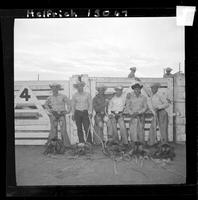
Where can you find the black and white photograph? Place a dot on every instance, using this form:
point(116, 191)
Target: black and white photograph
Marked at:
point(99, 101)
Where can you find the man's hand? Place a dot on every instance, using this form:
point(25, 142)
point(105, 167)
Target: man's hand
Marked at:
point(111, 116)
point(65, 112)
point(73, 118)
point(49, 112)
point(135, 114)
point(154, 113)
point(90, 115)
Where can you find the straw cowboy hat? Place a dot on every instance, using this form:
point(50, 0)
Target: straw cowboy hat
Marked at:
point(137, 85)
point(55, 85)
point(79, 84)
point(168, 69)
point(118, 88)
point(155, 85)
point(101, 88)
point(133, 69)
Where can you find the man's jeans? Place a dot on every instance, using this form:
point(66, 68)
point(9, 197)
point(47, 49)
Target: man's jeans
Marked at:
point(162, 122)
point(136, 128)
point(63, 129)
point(82, 119)
point(112, 129)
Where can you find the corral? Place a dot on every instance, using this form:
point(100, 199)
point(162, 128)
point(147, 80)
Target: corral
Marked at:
point(32, 129)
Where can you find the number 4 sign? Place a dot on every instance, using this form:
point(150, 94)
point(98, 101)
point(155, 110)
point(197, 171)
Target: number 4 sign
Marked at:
point(26, 97)
point(25, 94)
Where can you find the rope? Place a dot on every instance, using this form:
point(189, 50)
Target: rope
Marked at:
point(103, 147)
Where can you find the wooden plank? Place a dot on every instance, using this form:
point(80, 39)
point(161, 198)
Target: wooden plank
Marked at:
point(30, 142)
point(128, 80)
point(39, 93)
point(20, 122)
point(31, 135)
point(124, 84)
point(32, 127)
point(26, 111)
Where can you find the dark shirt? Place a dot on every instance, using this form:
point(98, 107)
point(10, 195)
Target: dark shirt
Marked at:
point(99, 103)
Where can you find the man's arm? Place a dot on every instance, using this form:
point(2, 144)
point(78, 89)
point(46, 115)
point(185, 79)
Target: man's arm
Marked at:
point(47, 106)
point(164, 104)
point(128, 103)
point(110, 106)
point(73, 104)
point(96, 105)
point(90, 109)
point(68, 103)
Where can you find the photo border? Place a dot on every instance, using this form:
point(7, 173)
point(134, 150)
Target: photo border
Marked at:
point(176, 190)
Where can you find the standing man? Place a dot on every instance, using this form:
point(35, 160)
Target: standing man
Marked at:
point(82, 111)
point(136, 106)
point(56, 109)
point(160, 116)
point(99, 105)
point(115, 111)
point(168, 73)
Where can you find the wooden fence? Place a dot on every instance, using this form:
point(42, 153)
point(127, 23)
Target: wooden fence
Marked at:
point(32, 123)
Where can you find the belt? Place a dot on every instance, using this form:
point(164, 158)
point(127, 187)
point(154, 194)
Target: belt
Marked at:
point(116, 113)
point(81, 110)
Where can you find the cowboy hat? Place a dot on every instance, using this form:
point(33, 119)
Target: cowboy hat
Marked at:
point(55, 85)
point(79, 84)
point(118, 88)
point(103, 88)
point(137, 85)
point(155, 85)
point(169, 69)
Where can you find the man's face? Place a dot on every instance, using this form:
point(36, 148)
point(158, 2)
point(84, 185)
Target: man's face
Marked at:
point(80, 89)
point(118, 93)
point(154, 90)
point(54, 90)
point(101, 92)
point(167, 72)
point(137, 91)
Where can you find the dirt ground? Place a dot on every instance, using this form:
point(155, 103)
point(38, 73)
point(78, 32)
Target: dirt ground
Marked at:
point(34, 168)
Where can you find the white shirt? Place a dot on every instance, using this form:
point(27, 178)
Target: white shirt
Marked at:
point(117, 104)
point(81, 102)
point(158, 102)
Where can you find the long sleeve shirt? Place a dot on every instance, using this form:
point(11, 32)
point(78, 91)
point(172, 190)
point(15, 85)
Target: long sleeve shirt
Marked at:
point(158, 102)
point(136, 104)
point(58, 103)
point(81, 101)
point(117, 104)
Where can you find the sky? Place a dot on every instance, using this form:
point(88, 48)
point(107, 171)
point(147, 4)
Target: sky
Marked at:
point(56, 49)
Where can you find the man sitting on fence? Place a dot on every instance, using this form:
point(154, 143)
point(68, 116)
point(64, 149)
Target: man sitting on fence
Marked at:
point(136, 106)
point(168, 73)
point(160, 116)
point(115, 111)
point(56, 109)
point(82, 111)
point(99, 105)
